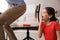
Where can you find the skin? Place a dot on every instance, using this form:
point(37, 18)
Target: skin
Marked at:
point(6, 18)
point(46, 18)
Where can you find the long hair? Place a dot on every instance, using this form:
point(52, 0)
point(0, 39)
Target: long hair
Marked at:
point(51, 11)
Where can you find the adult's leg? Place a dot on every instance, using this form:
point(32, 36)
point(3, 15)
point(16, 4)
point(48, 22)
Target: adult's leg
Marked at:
point(10, 32)
point(2, 36)
point(9, 16)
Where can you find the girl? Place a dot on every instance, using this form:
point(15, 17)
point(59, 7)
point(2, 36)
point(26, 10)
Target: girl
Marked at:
point(18, 8)
point(49, 25)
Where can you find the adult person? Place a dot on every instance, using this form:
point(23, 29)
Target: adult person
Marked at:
point(17, 9)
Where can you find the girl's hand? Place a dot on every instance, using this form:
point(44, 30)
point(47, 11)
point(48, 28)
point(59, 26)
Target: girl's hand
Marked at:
point(40, 18)
point(39, 28)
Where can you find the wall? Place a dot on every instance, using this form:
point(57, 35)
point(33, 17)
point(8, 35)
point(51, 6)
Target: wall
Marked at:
point(28, 17)
point(51, 3)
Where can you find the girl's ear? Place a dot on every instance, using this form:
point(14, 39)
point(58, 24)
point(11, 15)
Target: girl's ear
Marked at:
point(50, 16)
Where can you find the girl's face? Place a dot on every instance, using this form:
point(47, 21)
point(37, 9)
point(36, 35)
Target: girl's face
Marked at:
point(45, 15)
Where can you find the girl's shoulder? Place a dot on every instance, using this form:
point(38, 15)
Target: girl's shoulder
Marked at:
point(55, 22)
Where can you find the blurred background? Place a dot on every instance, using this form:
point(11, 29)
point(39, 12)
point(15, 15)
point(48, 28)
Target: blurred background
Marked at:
point(29, 16)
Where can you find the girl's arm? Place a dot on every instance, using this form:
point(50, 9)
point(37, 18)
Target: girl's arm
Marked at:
point(40, 28)
point(58, 31)
point(58, 35)
point(39, 31)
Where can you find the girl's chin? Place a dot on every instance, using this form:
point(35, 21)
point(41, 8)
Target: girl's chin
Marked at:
point(43, 20)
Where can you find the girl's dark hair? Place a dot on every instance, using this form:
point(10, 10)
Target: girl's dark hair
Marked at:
point(51, 11)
